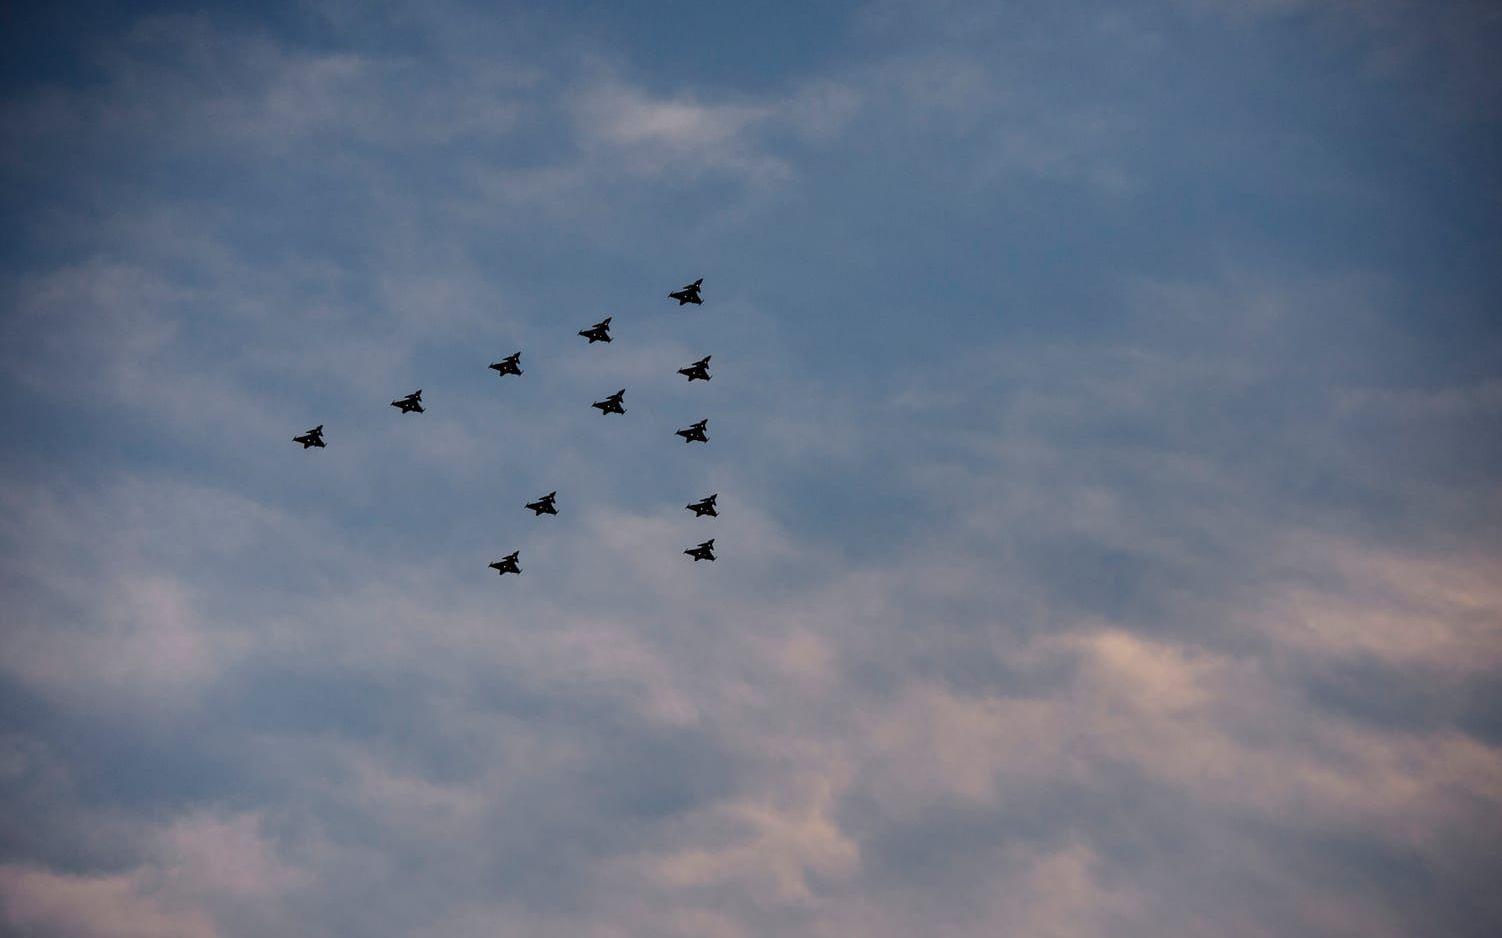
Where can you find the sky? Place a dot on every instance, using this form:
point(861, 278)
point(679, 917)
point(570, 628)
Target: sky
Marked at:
point(1105, 421)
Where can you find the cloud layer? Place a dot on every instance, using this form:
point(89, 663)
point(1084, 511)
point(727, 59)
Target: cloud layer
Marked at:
point(1104, 422)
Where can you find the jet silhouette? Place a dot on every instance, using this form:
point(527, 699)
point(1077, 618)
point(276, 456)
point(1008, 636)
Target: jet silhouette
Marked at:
point(704, 551)
point(612, 404)
point(510, 365)
point(698, 371)
point(412, 402)
point(313, 437)
point(695, 433)
point(544, 505)
point(599, 332)
point(507, 564)
point(704, 506)
point(689, 294)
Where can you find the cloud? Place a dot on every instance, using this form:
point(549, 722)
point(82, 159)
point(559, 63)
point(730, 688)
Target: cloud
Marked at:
point(775, 853)
point(44, 903)
point(108, 615)
point(1439, 613)
point(862, 740)
point(1075, 580)
point(1483, 399)
point(188, 84)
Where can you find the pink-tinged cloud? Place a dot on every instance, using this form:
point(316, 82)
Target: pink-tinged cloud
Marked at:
point(55, 905)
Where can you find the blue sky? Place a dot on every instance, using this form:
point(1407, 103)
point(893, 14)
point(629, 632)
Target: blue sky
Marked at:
point(1105, 422)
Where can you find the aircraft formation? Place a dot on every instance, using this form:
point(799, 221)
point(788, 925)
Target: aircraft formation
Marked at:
point(614, 404)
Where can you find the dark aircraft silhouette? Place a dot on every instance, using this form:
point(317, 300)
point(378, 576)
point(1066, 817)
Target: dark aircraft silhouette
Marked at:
point(510, 365)
point(704, 551)
point(698, 371)
point(704, 506)
point(507, 564)
point(544, 505)
point(313, 437)
point(612, 404)
point(695, 433)
point(599, 332)
point(689, 294)
point(412, 402)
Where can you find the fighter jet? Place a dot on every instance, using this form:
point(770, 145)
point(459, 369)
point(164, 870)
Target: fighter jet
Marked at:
point(510, 365)
point(507, 564)
point(704, 506)
point(313, 437)
point(599, 332)
point(412, 402)
point(612, 404)
point(689, 294)
point(544, 505)
point(695, 433)
point(704, 551)
point(698, 371)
